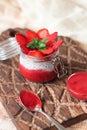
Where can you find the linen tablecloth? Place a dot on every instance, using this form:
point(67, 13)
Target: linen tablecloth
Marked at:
point(68, 17)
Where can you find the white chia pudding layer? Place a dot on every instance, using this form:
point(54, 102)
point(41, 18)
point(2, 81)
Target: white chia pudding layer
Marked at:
point(34, 65)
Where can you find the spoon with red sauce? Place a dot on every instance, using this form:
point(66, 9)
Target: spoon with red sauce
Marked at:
point(30, 101)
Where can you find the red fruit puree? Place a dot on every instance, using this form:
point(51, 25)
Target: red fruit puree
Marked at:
point(77, 85)
point(37, 75)
point(30, 100)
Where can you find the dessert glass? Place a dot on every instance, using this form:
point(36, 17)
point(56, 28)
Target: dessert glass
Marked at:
point(41, 69)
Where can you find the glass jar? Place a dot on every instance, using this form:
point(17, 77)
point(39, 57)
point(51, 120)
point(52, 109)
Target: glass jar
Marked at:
point(41, 69)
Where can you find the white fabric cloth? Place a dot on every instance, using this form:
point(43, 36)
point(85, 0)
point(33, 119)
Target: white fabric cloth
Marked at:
point(5, 121)
point(68, 17)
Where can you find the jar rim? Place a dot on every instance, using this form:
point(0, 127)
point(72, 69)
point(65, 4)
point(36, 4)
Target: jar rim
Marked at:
point(39, 59)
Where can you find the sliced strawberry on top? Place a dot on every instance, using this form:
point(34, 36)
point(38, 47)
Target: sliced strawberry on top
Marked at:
point(52, 49)
point(52, 37)
point(31, 35)
point(25, 49)
point(21, 39)
point(57, 45)
point(35, 53)
point(43, 33)
point(48, 51)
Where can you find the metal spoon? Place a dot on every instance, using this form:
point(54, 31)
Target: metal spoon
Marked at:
point(30, 101)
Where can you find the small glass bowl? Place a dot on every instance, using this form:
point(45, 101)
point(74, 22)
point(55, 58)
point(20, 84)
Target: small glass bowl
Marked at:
point(77, 85)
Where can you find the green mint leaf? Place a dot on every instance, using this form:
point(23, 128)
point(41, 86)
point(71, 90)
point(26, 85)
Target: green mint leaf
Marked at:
point(37, 44)
point(43, 41)
point(33, 44)
point(42, 46)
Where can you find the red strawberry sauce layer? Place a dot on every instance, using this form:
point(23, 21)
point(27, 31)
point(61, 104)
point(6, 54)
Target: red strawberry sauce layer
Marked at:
point(37, 75)
point(36, 70)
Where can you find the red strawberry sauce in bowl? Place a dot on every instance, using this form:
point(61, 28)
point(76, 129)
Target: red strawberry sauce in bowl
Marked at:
point(37, 70)
point(77, 85)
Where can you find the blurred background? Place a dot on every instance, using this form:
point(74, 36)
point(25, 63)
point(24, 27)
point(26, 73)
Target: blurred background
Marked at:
point(67, 17)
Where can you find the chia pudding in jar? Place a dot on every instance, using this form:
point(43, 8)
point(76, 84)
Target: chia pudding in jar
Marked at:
point(37, 70)
point(38, 55)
